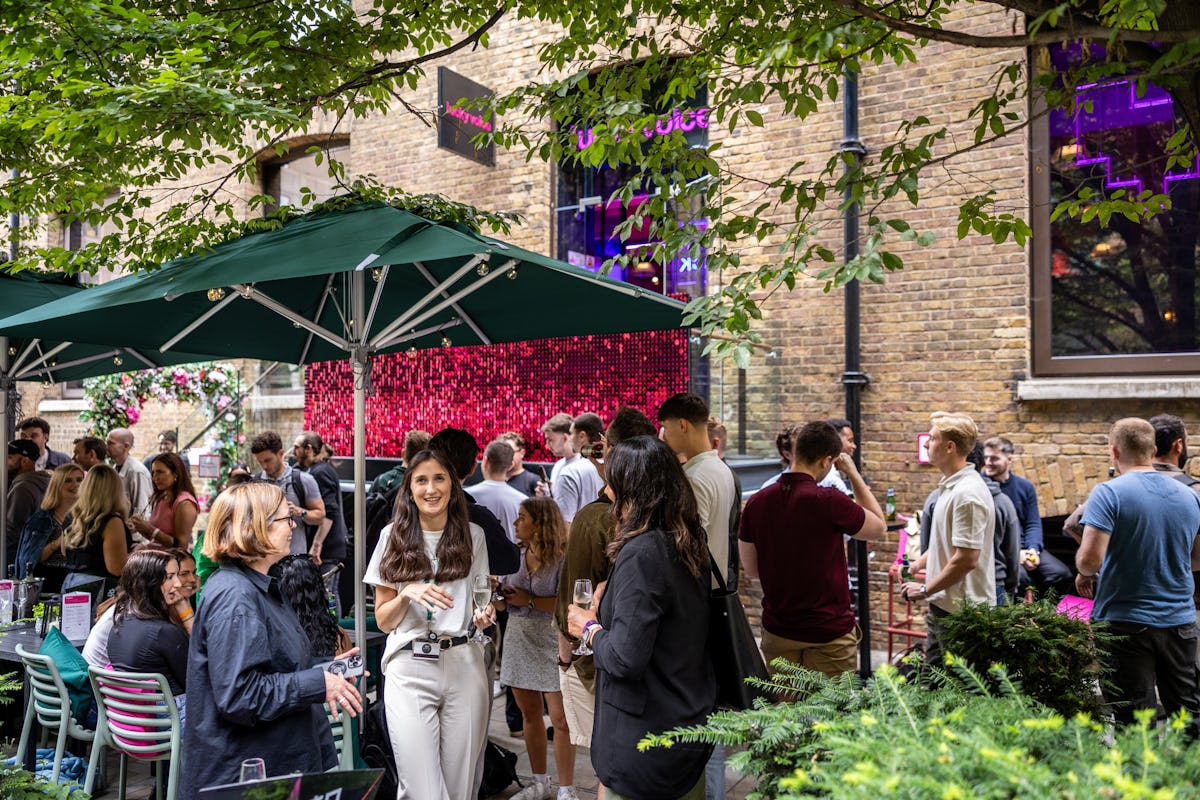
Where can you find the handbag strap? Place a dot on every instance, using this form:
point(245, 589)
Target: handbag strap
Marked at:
point(717, 572)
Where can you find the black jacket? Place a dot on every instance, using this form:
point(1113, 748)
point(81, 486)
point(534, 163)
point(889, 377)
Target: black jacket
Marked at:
point(504, 557)
point(652, 671)
point(252, 689)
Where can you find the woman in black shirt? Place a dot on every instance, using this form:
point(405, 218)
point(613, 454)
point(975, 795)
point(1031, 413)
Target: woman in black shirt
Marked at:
point(145, 637)
point(97, 541)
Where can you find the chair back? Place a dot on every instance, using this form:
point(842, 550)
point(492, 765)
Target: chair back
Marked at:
point(343, 739)
point(137, 713)
point(47, 692)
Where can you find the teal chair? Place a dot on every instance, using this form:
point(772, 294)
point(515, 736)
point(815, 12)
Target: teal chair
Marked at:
point(139, 719)
point(343, 738)
point(50, 704)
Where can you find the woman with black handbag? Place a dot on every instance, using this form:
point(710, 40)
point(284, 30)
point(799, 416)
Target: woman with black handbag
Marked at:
point(650, 639)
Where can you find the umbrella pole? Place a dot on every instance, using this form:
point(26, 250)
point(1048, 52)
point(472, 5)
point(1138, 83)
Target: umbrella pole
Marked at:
point(358, 366)
point(6, 421)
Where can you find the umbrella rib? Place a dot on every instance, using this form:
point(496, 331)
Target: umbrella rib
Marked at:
point(441, 326)
point(250, 293)
point(403, 319)
point(483, 337)
point(375, 298)
point(33, 369)
point(41, 359)
point(149, 364)
point(316, 318)
point(461, 293)
point(196, 323)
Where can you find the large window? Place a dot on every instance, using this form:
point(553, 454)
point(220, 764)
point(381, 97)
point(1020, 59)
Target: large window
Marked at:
point(1116, 296)
point(587, 219)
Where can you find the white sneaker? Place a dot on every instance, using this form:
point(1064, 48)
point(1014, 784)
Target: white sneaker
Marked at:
point(535, 791)
point(567, 793)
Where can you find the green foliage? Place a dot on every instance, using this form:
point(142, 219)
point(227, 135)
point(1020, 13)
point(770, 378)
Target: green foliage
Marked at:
point(1052, 655)
point(973, 736)
point(17, 784)
point(147, 115)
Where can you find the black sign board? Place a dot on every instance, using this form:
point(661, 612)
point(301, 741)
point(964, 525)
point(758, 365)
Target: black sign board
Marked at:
point(457, 126)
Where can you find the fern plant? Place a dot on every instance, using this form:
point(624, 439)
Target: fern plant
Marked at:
point(19, 784)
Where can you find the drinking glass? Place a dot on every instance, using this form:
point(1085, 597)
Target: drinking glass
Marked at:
point(583, 598)
point(253, 769)
point(481, 589)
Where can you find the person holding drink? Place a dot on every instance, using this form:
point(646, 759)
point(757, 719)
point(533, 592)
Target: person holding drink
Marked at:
point(437, 692)
point(253, 689)
point(649, 629)
point(173, 505)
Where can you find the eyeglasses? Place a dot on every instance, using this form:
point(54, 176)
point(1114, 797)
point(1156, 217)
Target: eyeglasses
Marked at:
point(290, 520)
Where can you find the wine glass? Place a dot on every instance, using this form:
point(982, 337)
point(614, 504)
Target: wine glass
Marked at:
point(481, 589)
point(583, 598)
point(253, 769)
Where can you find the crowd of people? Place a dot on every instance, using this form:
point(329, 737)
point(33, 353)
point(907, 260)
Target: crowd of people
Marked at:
point(593, 580)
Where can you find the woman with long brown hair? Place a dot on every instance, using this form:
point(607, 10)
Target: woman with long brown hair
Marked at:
point(39, 542)
point(650, 640)
point(173, 505)
point(97, 542)
point(437, 691)
point(531, 644)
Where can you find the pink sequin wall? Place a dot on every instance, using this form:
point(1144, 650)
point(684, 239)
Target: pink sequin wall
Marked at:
point(489, 390)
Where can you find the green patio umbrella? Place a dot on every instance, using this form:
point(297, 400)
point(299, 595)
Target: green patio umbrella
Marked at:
point(349, 283)
point(37, 358)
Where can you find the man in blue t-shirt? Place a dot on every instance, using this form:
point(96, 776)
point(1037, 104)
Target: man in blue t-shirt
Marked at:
point(1136, 559)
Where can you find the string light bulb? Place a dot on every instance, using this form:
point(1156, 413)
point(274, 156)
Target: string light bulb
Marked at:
point(376, 274)
point(483, 269)
point(118, 360)
point(512, 274)
point(216, 294)
point(446, 341)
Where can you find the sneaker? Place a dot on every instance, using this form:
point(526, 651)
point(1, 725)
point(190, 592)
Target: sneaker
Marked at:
point(567, 793)
point(535, 791)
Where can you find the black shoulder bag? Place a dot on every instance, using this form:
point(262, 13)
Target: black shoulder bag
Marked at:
point(731, 646)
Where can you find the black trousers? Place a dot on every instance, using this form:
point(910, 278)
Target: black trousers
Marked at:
point(1050, 575)
point(1143, 658)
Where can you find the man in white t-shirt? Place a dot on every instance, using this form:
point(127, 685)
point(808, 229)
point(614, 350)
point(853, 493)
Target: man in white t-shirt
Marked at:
point(557, 433)
point(493, 492)
point(578, 482)
point(684, 421)
point(960, 562)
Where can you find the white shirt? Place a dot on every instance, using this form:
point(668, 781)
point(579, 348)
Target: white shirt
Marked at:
point(138, 487)
point(418, 620)
point(578, 484)
point(834, 480)
point(557, 469)
point(95, 649)
point(964, 516)
point(502, 500)
point(712, 483)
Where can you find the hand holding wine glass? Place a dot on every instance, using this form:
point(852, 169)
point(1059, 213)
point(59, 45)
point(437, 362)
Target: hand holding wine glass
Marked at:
point(582, 597)
point(481, 589)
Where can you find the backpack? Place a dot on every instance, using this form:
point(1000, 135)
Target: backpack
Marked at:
point(380, 508)
point(499, 770)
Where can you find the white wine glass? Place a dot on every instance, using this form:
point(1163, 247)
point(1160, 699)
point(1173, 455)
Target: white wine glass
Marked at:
point(253, 769)
point(481, 589)
point(582, 597)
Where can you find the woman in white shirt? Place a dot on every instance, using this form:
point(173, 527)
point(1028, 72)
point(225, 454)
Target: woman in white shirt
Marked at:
point(422, 570)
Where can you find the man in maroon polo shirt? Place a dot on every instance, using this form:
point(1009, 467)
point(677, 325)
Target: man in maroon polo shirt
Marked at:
point(791, 540)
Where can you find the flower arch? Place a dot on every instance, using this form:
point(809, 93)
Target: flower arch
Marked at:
point(116, 401)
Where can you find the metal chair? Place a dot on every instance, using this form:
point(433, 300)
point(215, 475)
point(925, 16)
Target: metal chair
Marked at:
point(137, 717)
point(50, 703)
point(343, 738)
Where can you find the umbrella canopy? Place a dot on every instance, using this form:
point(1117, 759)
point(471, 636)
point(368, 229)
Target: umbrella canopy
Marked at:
point(349, 283)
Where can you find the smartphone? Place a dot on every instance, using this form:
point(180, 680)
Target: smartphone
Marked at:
point(350, 667)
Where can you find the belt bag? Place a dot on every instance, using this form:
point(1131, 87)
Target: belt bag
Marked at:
point(731, 646)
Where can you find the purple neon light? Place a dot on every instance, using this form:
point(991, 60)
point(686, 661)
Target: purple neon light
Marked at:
point(1154, 98)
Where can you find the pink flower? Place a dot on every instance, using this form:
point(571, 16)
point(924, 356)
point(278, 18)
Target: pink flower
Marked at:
point(223, 401)
point(132, 414)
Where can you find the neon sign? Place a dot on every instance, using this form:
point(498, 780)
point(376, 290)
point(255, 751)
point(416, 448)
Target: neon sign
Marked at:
point(463, 115)
point(683, 120)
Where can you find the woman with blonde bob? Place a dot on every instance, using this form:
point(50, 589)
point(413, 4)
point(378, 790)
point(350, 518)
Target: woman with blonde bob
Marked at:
point(97, 541)
point(531, 644)
point(253, 689)
point(40, 537)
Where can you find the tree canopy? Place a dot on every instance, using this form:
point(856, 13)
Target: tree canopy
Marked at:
point(109, 107)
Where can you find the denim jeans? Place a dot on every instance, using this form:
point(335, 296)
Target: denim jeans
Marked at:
point(1142, 658)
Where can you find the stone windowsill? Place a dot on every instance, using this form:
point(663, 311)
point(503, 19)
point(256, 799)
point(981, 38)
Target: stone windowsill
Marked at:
point(49, 406)
point(277, 401)
point(1152, 388)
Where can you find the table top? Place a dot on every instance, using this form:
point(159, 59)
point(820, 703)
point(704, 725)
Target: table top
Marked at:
point(22, 634)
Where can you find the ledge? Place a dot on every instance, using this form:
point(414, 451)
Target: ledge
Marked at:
point(1156, 388)
point(276, 401)
point(50, 406)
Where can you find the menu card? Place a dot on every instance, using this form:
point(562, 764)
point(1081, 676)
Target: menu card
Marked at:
point(76, 616)
point(6, 601)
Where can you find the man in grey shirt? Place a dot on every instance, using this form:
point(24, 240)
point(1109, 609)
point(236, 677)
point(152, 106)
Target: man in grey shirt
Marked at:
point(299, 488)
point(493, 492)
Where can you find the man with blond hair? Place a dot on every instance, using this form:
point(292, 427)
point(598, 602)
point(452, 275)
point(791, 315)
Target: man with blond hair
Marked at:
point(960, 562)
point(1136, 558)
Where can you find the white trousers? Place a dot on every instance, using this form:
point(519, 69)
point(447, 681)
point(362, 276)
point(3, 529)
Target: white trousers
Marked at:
point(437, 715)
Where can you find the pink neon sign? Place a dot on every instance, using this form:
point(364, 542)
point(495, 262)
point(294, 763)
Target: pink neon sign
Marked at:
point(462, 115)
point(685, 120)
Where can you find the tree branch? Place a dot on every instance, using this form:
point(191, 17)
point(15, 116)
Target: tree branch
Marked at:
point(1072, 31)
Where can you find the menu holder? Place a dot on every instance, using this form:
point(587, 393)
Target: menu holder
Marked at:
point(76, 621)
